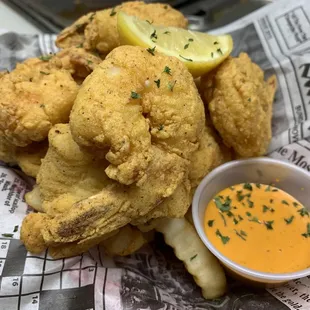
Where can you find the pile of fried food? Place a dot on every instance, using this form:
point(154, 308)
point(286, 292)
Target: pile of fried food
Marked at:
point(117, 156)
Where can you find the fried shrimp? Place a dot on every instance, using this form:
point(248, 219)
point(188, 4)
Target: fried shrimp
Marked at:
point(151, 107)
point(124, 157)
point(40, 93)
point(240, 104)
point(98, 31)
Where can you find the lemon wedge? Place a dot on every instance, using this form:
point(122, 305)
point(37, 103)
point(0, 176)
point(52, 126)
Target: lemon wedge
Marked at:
point(201, 52)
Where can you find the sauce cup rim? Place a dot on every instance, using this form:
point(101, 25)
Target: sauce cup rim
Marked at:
point(200, 229)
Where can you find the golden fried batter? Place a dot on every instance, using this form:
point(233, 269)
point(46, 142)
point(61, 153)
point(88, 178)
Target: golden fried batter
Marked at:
point(98, 31)
point(126, 120)
point(240, 104)
point(40, 93)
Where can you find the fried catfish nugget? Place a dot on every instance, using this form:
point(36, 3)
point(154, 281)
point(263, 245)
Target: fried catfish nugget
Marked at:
point(40, 93)
point(240, 104)
point(132, 112)
point(98, 31)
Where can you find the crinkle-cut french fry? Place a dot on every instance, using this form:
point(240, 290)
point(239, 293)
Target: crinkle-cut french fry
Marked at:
point(127, 241)
point(198, 260)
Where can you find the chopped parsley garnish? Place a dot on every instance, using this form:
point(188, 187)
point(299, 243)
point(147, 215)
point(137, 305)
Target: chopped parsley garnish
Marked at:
point(219, 51)
point(7, 235)
point(229, 214)
point(171, 85)
point(240, 197)
point(223, 207)
point(243, 233)
point(267, 189)
point(167, 70)
point(275, 190)
point(235, 221)
point(161, 127)
point(285, 202)
point(269, 224)
point(215, 42)
point(255, 219)
point(167, 32)
point(190, 40)
point(224, 239)
point(151, 50)
point(295, 204)
point(193, 257)
point(257, 185)
point(45, 73)
point(250, 203)
point(307, 234)
point(210, 223)
point(248, 213)
point(240, 217)
point(112, 12)
point(157, 82)
point(187, 59)
point(45, 58)
point(289, 220)
point(149, 22)
point(248, 186)
point(266, 208)
point(239, 234)
point(135, 95)
point(153, 35)
point(271, 200)
point(223, 218)
point(303, 212)
point(186, 46)
point(15, 228)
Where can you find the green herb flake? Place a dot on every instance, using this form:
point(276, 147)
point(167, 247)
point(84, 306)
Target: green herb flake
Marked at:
point(224, 239)
point(15, 228)
point(187, 59)
point(149, 22)
point(171, 85)
point(240, 197)
point(7, 235)
point(112, 12)
point(269, 224)
point(239, 235)
point(248, 186)
point(151, 50)
point(167, 32)
point(223, 218)
point(45, 58)
point(193, 257)
point(223, 207)
point(265, 208)
point(161, 127)
point(257, 185)
point(219, 51)
point(190, 40)
point(248, 213)
point(229, 214)
point(295, 204)
point(275, 190)
point(289, 220)
point(215, 42)
point(303, 212)
point(45, 73)
point(157, 82)
point(267, 189)
point(307, 234)
point(167, 70)
point(285, 202)
point(255, 220)
point(135, 95)
point(212, 54)
point(210, 223)
point(250, 203)
point(243, 233)
point(235, 221)
point(240, 217)
point(153, 35)
point(271, 200)
point(186, 46)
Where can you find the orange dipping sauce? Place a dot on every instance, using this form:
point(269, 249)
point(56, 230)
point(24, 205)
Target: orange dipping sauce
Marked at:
point(259, 227)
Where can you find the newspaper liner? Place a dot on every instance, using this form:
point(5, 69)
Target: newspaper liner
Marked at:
point(277, 38)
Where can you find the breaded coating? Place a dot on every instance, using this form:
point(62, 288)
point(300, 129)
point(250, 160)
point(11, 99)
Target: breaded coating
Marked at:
point(84, 206)
point(40, 93)
point(240, 104)
point(98, 31)
point(132, 111)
